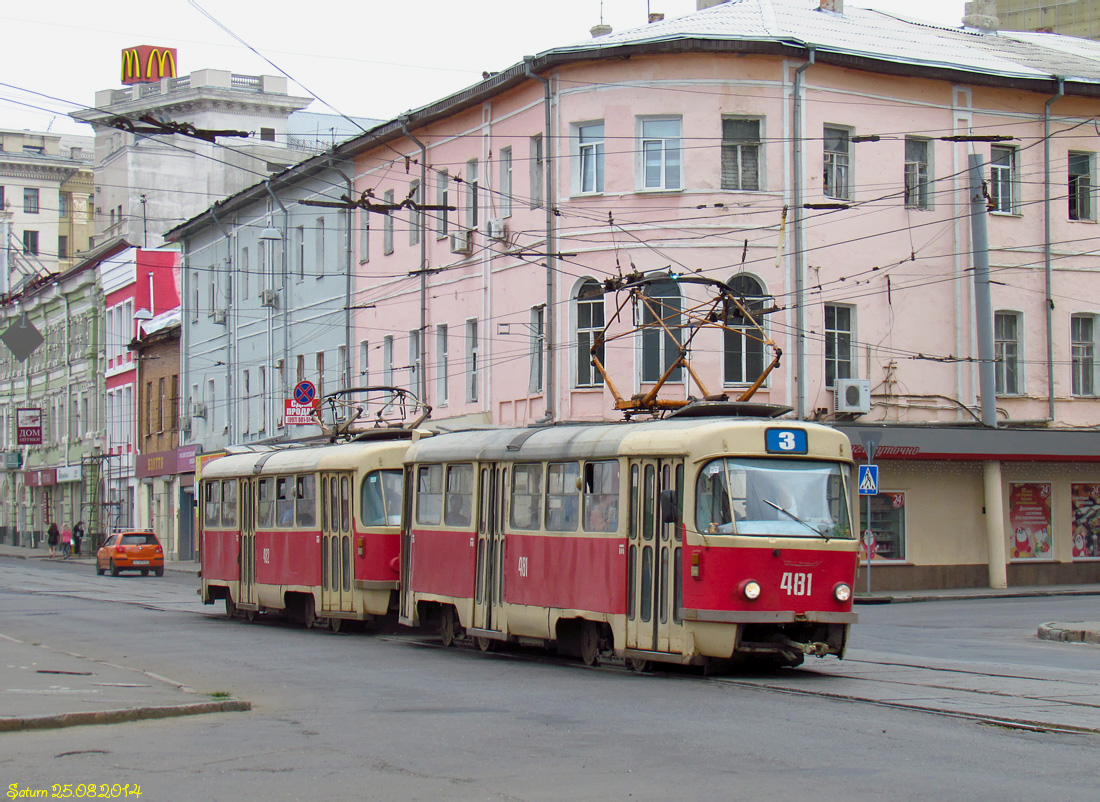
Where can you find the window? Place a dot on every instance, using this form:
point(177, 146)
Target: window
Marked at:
point(267, 134)
point(320, 246)
point(538, 339)
point(1002, 177)
point(364, 366)
point(916, 173)
point(744, 342)
point(471, 194)
point(1080, 186)
point(414, 214)
point(387, 224)
point(30, 200)
point(661, 333)
point(526, 496)
point(244, 272)
point(30, 243)
point(660, 152)
point(505, 182)
point(441, 363)
point(429, 494)
point(387, 360)
point(305, 513)
point(62, 247)
point(2, 199)
point(442, 199)
point(590, 157)
point(320, 357)
point(284, 501)
point(414, 361)
point(538, 170)
point(263, 397)
point(740, 154)
point(459, 505)
point(887, 522)
point(1006, 345)
point(63, 204)
point(380, 498)
point(265, 507)
point(838, 343)
point(471, 360)
point(1083, 354)
point(562, 496)
point(212, 504)
point(364, 235)
point(601, 496)
point(837, 144)
point(590, 325)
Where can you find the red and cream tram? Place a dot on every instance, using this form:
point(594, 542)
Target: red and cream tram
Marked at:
point(685, 540)
point(310, 531)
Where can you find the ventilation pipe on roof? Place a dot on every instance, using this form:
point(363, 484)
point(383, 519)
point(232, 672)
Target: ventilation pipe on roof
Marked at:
point(835, 6)
point(981, 14)
point(603, 29)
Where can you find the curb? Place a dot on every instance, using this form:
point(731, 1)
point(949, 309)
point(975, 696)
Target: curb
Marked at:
point(120, 716)
point(1066, 633)
point(931, 597)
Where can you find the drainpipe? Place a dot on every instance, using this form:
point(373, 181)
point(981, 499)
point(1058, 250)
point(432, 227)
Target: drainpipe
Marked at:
point(284, 388)
point(1047, 249)
point(349, 275)
point(799, 259)
point(228, 329)
point(421, 373)
point(69, 392)
point(551, 304)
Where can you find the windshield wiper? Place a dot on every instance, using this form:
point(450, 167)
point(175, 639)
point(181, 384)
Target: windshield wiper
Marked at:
point(813, 529)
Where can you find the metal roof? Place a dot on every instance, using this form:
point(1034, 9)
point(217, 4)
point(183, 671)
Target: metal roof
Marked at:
point(870, 34)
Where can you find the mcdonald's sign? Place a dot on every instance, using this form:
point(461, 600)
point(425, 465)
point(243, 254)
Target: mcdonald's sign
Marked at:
point(145, 64)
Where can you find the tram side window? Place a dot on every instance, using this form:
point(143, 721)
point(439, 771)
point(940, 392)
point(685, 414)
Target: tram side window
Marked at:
point(380, 498)
point(265, 510)
point(212, 504)
point(429, 494)
point(562, 496)
point(719, 494)
point(345, 504)
point(284, 500)
point(526, 496)
point(306, 495)
point(229, 502)
point(460, 495)
point(601, 496)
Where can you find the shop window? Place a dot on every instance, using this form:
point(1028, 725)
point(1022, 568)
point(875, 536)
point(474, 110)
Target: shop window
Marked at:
point(1086, 520)
point(887, 524)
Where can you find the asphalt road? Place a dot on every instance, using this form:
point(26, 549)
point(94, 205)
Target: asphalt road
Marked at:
point(398, 717)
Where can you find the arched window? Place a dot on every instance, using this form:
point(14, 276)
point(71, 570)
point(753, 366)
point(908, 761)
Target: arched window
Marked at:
point(590, 325)
point(660, 348)
point(744, 346)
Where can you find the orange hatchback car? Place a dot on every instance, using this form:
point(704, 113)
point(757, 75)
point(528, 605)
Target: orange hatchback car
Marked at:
point(130, 551)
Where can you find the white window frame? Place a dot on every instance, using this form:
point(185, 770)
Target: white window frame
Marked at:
point(441, 365)
point(506, 182)
point(320, 243)
point(1007, 350)
point(588, 157)
point(364, 235)
point(364, 362)
point(473, 197)
point(538, 172)
point(918, 171)
point(414, 214)
point(586, 374)
point(1080, 187)
point(1083, 355)
point(1002, 179)
point(840, 344)
point(473, 364)
point(442, 199)
point(387, 223)
point(734, 150)
point(666, 146)
point(537, 328)
point(837, 164)
point(414, 361)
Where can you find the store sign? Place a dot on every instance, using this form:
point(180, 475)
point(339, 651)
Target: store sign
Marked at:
point(1086, 520)
point(40, 478)
point(146, 64)
point(12, 460)
point(185, 459)
point(1029, 518)
point(297, 415)
point(28, 427)
point(160, 463)
point(70, 473)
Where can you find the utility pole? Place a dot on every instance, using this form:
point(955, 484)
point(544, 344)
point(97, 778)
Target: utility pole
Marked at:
point(144, 224)
point(983, 305)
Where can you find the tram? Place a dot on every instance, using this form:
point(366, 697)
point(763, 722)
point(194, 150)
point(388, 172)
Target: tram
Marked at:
point(310, 531)
point(696, 540)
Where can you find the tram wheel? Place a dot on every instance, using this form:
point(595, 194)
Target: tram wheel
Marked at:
point(448, 625)
point(486, 644)
point(335, 624)
point(250, 616)
point(639, 665)
point(590, 643)
point(230, 607)
point(309, 614)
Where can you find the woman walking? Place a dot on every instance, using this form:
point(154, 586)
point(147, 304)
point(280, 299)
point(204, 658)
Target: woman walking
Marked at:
point(53, 534)
point(66, 543)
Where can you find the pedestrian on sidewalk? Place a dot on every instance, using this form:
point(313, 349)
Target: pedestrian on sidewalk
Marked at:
point(53, 534)
point(78, 535)
point(66, 543)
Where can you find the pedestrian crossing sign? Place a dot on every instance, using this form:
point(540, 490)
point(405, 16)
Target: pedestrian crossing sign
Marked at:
point(868, 480)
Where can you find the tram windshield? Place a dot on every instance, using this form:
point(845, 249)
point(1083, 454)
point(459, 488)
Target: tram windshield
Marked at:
point(773, 497)
point(380, 502)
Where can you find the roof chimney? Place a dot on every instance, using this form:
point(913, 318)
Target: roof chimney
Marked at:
point(981, 14)
point(656, 16)
point(603, 29)
point(835, 6)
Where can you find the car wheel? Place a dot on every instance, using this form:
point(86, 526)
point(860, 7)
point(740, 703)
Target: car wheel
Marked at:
point(158, 572)
point(98, 571)
point(145, 572)
point(114, 568)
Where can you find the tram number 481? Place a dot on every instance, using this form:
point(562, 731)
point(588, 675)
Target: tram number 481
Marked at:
point(796, 584)
point(523, 566)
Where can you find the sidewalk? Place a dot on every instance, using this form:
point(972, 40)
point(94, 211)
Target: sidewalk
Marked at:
point(43, 553)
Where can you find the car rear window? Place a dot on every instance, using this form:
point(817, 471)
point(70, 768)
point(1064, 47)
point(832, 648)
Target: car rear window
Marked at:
point(138, 540)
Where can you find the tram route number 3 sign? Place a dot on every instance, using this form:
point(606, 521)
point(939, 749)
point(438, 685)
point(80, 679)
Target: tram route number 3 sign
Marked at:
point(299, 409)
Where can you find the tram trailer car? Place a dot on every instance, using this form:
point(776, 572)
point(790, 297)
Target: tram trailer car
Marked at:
point(687, 540)
point(312, 532)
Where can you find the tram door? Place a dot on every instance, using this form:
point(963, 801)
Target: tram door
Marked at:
point(489, 588)
point(336, 554)
point(654, 558)
point(247, 553)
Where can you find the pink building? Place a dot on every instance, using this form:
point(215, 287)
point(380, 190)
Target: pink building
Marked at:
point(815, 160)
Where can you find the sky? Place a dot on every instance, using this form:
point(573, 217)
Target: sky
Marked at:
point(360, 57)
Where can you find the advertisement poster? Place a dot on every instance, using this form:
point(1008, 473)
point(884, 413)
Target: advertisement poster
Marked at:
point(1086, 520)
point(1029, 520)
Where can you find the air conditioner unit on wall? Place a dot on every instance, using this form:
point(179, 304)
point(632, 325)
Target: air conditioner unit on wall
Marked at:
point(198, 410)
point(496, 228)
point(269, 298)
point(219, 316)
point(852, 396)
point(462, 241)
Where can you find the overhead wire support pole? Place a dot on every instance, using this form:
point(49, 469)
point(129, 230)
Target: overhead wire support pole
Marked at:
point(983, 304)
point(799, 256)
point(421, 218)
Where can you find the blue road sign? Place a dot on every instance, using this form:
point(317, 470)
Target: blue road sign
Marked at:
point(868, 480)
point(304, 393)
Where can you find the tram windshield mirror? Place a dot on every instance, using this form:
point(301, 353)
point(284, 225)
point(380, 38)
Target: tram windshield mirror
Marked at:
point(773, 497)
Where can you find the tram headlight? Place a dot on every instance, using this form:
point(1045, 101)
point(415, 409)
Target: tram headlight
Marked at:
point(751, 589)
point(842, 592)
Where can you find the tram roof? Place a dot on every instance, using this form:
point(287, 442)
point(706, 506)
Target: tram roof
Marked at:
point(307, 459)
point(594, 440)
